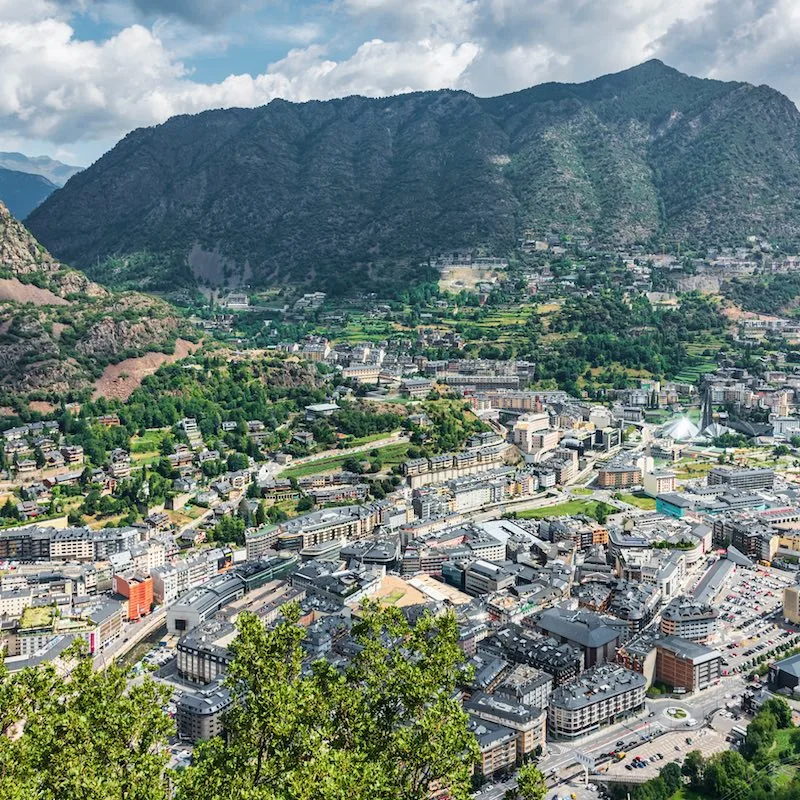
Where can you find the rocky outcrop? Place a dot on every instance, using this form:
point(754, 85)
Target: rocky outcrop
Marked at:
point(58, 329)
point(20, 253)
point(113, 336)
point(22, 257)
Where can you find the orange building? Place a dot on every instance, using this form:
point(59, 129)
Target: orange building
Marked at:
point(139, 592)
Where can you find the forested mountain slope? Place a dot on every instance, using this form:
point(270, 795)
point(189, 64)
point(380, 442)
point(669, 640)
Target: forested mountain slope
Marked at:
point(343, 193)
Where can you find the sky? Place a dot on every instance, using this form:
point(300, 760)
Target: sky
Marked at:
point(77, 75)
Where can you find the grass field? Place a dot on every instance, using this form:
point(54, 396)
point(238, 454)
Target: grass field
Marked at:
point(693, 469)
point(698, 351)
point(639, 500)
point(390, 455)
point(567, 509)
point(36, 617)
point(146, 449)
point(360, 328)
point(687, 794)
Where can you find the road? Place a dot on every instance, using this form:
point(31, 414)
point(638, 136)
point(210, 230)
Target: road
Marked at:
point(134, 633)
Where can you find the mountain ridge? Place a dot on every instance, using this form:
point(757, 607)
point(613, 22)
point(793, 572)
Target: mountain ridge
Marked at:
point(357, 191)
point(57, 172)
point(21, 192)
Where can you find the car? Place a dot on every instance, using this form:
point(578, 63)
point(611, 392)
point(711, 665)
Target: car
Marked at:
point(621, 743)
point(628, 767)
point(651, 714)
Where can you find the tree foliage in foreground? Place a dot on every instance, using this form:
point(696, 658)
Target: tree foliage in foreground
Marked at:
point(92, 736)
point(387, 726)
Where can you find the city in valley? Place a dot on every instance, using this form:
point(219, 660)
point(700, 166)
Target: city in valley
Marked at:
point(406, 407)
point(622, 563)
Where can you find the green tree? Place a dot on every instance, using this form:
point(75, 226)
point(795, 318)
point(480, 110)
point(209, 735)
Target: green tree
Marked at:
point(693, 767)
point(779, 709)
point(387, 726)
point(530, 783)
point(672, 777)
point(760, 735)
point(93, 734)
point(305, 503)
point(237, 462)
point(9, 510)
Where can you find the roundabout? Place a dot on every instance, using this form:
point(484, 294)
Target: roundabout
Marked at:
point(676, 712)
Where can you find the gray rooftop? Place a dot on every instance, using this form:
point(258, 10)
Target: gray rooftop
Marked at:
point(594, 685)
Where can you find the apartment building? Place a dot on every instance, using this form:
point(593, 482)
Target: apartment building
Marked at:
point(750, 479)
point(520, 646)
point(688, 619)
point(482, 577)
point(527, 685)
point(526, 428)
point(203, 654)
point(529, 722)
point(138, 590)
point(791, 604)
point(687, 665)
point(497, 743)
point(618, 476)
point(200, 715)
point(601, 696)
point(347, 523)
point(597, 635)
point(658, 482)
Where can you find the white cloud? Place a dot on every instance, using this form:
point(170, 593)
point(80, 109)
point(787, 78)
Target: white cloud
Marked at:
point(754, 40)
point(449, 19)
point(301, 34)
point(58, 88)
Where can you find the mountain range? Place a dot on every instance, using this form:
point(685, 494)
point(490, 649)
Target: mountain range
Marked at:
point(354, 193)
point(56, 172)
point(22, 191)
point(58, 329)
point(26, 182)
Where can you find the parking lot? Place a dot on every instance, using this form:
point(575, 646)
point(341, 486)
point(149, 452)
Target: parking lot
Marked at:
point(750, 617)
point(670, 747)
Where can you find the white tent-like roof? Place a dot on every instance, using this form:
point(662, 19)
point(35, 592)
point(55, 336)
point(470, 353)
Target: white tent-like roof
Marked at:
point(681, 429)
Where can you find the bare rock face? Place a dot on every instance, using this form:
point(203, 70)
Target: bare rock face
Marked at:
point(74, 282)
point(20, 253)
point(21, 256)
point(110, 336)
point(58, 329)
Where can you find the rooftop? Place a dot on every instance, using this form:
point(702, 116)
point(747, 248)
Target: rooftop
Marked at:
point(596, 684)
